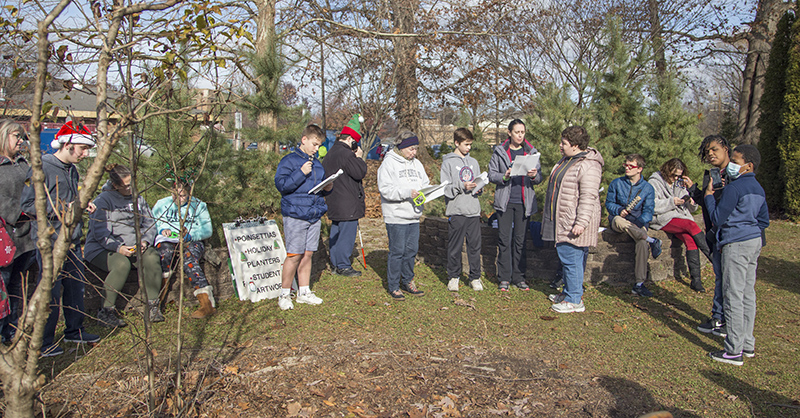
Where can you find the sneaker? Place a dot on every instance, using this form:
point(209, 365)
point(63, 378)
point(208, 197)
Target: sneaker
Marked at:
point(397, 295)
point(655, 248)
point(285, 302)
point(724, 357)
point(155, 312)
point(109, 317)
point(749, 353)
point(166, 274)
point(308, 298)
point(720, 331)
point(557, 282)
point(522, 286)
point(567, 307)
point(708, 326)
point(347, 272)
point(640, 290)
point(412, 289)
point(503, 286)
point(477, 285)
point(557, 298)
point(83, 337)
point(452, 285)
point(51, 351)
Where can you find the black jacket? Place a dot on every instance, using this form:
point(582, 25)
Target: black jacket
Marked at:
point(346, 200)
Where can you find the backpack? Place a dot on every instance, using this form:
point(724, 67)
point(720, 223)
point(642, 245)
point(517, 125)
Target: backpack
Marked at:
point(7, 247)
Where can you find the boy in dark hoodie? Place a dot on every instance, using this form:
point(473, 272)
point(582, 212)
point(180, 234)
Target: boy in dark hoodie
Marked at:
point(739, 219)
point(463, 210)
point(61, 181)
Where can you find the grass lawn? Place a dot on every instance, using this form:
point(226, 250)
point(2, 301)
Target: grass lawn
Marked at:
point(454, 354)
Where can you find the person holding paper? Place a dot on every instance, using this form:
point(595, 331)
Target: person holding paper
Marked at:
point(463, 210)
point(346, 201)
point(400, 177)
point(514, 201)
point(298, 173)
point(571, 215)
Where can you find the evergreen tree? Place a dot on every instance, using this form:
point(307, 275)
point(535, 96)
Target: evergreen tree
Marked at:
point(672, 129)
point(617, 103)
point(771, 172)
point(789, 143)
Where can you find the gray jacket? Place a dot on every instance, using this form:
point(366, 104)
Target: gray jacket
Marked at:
point(500, 162)
point(665, 209)
point(457, 170)
point(12, 180)
point(112, 224)
point(61, 181)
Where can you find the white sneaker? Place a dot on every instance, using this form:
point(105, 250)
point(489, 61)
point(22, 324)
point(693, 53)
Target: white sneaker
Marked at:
point(477, 285)
point(452, 285)
point(166, 274)
point(285, 302)
point(309, 298)
point(567, 307)
point(557, 298)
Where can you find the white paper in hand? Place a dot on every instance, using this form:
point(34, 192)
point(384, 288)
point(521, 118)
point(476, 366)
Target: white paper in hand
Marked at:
point(480, 181)
point(326, 182)
point(524, 163)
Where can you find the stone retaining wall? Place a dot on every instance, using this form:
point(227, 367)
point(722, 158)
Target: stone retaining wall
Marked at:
point(611, 260)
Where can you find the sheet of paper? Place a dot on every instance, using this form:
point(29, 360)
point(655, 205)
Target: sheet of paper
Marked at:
point(524, 163)
point(480, 181)
point(326, 182)
point(434, 191)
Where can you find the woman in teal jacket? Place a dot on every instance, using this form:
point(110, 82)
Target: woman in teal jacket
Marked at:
point(196, 227)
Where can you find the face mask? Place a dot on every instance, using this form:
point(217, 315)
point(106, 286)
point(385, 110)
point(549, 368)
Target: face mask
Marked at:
point(733, 170)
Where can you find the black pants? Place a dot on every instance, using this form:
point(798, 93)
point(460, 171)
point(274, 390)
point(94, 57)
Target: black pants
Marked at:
point(460, 226)
point(511, 262)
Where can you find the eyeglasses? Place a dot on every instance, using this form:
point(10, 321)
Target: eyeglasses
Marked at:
point(630, 166)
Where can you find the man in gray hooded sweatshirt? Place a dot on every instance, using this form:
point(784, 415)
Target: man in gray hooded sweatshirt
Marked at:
point(61, 181)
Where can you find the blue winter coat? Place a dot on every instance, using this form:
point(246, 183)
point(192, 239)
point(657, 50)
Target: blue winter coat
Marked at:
point(294, 186)
point(621, 192)
point(741, 213)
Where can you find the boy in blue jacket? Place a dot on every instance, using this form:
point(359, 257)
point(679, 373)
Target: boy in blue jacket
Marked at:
point(196, 228)
point(630, 203)
point(298, 173)
point(739, 220)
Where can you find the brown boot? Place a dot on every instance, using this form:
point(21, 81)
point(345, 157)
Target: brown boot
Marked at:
point(206, 299)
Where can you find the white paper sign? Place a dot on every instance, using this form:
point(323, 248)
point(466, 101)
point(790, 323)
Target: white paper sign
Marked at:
point(257, 254)
point(524, 163)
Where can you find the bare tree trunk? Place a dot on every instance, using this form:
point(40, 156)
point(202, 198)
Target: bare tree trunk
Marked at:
point(405, 62)
point(265, 44)
point(656, 38)
point(759, 40)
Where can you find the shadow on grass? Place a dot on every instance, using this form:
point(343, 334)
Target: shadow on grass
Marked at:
point(763, 402)
point(376, 260)
point(630, 399)
point(779, 272)
point(662, 307)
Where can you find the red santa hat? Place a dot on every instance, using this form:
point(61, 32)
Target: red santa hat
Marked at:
point(69, 135)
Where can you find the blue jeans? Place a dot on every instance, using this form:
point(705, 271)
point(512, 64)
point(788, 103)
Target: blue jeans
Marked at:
point(573, 261)
point(403, 247)
point(342, 240)
point(718, 304)
point(67, 291)
point(12, 278)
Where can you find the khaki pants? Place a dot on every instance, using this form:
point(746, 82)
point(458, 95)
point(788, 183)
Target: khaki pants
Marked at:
point(639, 235)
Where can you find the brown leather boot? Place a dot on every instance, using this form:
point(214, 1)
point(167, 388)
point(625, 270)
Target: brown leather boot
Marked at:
point(206, 308)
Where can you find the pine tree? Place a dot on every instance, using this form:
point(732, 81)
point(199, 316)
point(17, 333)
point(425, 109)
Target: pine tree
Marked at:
point(789, 143)
point(617, 103)
point(771, 171)
point(672, 129)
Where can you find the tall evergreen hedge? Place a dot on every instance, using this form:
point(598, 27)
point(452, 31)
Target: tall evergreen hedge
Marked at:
point(789, 142)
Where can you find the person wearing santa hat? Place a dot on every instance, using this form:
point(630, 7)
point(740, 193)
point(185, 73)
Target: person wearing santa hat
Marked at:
point(72, 145)
point(346, 200)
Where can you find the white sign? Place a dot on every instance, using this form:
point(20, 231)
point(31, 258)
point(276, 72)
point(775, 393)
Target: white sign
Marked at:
point(257, 254)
